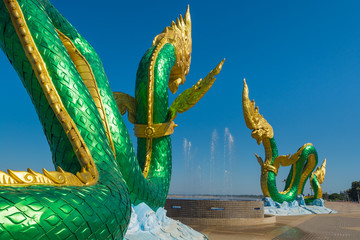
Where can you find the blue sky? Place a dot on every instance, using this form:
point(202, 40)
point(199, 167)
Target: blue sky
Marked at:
point(302, 64)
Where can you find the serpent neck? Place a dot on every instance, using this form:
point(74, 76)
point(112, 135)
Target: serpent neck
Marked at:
point(165, 59)
point(271, 151)
point(291, 187)
point(270, 154)
point(160, 163)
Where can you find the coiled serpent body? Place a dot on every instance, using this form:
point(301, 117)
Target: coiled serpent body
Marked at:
point(98, 174)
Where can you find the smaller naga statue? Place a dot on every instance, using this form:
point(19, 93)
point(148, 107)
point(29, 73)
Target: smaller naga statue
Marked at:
point(302, 163)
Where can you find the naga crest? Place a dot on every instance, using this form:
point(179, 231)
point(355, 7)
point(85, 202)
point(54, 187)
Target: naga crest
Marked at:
point(254, 120)
point(178, 34)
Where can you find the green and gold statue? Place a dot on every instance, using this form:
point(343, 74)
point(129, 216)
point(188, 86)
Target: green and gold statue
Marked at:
point(302, 163)
point(98, 174)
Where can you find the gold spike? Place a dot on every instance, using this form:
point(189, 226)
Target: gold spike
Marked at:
point(323, 165)
point(259, 159)
point(18, 176)
point(181, 20)
point(320, 172)
point(187, 16)
point(56, 178)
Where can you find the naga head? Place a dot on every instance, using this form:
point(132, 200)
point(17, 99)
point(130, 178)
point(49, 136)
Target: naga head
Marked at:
point(178, 34)
point(254, 120)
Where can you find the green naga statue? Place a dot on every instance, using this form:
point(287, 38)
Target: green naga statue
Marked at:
point(98, 174)
point(302, 163)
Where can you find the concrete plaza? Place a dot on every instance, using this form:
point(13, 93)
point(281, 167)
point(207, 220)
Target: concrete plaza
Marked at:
point(343, 225)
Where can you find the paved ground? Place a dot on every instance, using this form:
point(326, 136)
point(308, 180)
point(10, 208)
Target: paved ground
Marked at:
point(343, 225)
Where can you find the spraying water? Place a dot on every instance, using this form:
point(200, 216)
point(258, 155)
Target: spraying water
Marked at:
point(187, 161)
point(214, 137)
point(194, 170)
point(185, 153)
point(228, 149)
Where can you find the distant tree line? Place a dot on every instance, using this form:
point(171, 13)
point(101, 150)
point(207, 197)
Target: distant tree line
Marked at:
point(354, 191)
point(351, 194)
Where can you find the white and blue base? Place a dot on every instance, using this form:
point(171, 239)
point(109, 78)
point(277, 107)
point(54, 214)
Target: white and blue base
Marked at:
point(149, 225)
point(296, 207)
